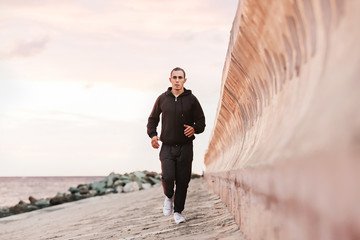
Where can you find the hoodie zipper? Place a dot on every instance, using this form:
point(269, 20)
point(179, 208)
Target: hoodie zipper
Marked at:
point(176, 134)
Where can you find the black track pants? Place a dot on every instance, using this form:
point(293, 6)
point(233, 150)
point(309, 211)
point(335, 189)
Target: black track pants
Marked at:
point(176, 161)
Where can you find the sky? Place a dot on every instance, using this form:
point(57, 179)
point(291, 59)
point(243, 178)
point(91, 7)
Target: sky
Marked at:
point(78, 80)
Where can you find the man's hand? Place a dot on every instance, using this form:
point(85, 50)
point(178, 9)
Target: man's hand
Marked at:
point(154, 142)
point(189, 131)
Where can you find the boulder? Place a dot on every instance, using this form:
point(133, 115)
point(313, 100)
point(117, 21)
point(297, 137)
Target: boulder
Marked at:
point(118, 183)
point(125, 181)
point(58, 200)
point(92, 193)
point(131, 187)
point(146, 186)
point(140, 175)
point(32, 199)
point(119, 189)
point(125, 177)
point(139, 183)
point(109, 190)
point(154, 181)
point(80, 185)
point(151, 174)
point(41, 203)
point(84, 189)
point(31, 207)
point(59, 194)
point(4, 212)
point(78, 196)
point(73, 190)
point(194, 175)
point(144, 180)
point(99, 186)
point(21, 207)
point(111, 179)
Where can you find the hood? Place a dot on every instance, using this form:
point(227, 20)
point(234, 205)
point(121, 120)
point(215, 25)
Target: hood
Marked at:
point(186, 92)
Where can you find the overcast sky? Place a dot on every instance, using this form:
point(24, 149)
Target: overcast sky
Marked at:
point(78, 79)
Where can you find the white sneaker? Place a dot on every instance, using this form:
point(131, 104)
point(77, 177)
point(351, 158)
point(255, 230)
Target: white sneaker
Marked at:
point(179, 218)
point(168, 206)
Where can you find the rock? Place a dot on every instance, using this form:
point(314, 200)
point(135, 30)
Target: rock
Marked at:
point(84, 189)
point(60, 194)
point(125, 177)
point(131, 187)
point(68, 197)
point(139, 183)
point(41, 203)
point(79, 196)
point(31, 207)
point(140, 175)
point(101, 192)
point(92, 193)
point(58, 200)
point(80, 185)
point(21, 207)
point(154, 180)
point(146, 186)
point(109, 190)
point(118, 183)
point(151, 174)
point(4, 212)
point(111, 179)
point(144, 180)
point(109, 183)
point(32, 199)
point(119, 189)
point(73, 190)
point(194, 175)
point(125, 181)
point(99, 187)
point(133, 178)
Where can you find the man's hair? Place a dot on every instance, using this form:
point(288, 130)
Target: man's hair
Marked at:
point(178, 69)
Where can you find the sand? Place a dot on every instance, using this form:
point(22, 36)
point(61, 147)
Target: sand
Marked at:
point(136, 215)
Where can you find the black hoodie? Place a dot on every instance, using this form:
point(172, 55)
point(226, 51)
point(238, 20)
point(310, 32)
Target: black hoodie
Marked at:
point(176, 111)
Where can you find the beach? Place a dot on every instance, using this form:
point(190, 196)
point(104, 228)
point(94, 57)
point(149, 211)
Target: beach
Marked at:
point(135, 215)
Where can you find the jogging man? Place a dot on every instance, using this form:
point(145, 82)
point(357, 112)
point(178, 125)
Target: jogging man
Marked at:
point(181, 117)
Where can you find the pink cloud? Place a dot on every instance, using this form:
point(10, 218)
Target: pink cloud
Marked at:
point(26, 48)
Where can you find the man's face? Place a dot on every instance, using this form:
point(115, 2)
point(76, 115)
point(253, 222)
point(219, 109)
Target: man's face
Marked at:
point(177, 80)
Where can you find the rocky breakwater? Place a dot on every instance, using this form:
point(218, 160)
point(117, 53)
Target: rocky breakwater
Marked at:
point(114, 183)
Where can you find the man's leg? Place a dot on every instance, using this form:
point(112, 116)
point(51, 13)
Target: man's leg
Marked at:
point(168, 170)
point(183, 175)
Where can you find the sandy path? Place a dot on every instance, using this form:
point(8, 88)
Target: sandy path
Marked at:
point(136, 215)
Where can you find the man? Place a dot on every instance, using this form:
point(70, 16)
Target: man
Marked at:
point(181, 117)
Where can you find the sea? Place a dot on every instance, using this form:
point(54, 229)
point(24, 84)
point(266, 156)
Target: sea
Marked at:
point(14, 189)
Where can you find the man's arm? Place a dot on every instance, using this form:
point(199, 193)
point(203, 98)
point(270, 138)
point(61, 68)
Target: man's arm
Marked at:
point(199, 118)
point(152, 124)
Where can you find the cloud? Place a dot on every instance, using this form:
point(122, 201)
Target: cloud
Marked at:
point(26, 48)
point(115, 19)
point(84, 75)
